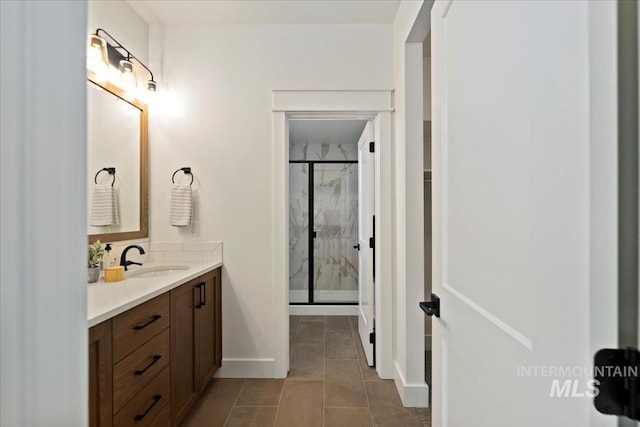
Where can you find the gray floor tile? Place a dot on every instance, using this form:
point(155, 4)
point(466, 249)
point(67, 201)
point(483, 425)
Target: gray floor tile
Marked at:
point(310, 333)
point(260, 392)
point(386, 406)
point(215, 404)
point(339, 345)
point(343, 384)
point(252, 416)
point(306, 362)
point(347, 417)
point(337, 323)
point(301, 405)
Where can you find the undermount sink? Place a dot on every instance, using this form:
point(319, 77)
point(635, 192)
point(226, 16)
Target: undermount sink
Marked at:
point(163, 270)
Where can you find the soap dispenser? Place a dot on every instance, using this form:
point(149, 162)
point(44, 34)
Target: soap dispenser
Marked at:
point(107, 249)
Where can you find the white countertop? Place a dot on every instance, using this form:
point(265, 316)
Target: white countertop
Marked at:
point(106, 300)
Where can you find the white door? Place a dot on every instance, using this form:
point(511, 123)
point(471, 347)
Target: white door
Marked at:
point(515, 224)
point(366, 203)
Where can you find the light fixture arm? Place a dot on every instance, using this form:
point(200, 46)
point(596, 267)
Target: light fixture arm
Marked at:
point(119, 45)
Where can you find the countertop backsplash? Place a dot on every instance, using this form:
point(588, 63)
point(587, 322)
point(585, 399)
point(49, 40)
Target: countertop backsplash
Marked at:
point(158, 251)
point(190, 251)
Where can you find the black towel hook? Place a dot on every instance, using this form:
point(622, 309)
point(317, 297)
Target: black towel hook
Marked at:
point(110, 171)
point(186, 171)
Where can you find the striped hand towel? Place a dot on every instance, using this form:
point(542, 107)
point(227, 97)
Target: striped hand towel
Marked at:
point(181, 207)
point(104, 207)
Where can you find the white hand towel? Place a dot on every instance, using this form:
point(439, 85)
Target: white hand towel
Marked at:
point(181, 207)
point(104, 207)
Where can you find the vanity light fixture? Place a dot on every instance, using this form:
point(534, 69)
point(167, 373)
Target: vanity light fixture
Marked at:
point(101, 54)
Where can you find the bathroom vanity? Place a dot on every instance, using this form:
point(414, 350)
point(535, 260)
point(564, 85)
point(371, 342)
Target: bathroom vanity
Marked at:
point(155, 341)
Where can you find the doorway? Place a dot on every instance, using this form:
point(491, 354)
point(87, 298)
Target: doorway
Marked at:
point(375, 106)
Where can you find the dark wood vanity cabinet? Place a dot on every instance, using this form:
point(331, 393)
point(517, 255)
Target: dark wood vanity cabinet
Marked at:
point(100, 378)
point(196, 343)
point(148, 365)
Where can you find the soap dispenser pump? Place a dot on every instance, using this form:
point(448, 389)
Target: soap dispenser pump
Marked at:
point(107, 249)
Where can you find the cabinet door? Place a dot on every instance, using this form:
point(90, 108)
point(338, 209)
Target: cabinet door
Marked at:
point(205, 329)
point(100, 376)
point(183, 349)
point(217, 326)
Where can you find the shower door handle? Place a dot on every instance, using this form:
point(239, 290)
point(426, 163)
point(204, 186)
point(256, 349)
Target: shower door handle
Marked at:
point(315, 234)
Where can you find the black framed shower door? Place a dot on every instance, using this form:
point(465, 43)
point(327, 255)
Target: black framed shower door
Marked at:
point(323, 230)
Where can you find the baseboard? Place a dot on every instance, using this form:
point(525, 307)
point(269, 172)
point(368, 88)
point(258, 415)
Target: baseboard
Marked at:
point(412, 395)
point(323, 310)
point(247, 368)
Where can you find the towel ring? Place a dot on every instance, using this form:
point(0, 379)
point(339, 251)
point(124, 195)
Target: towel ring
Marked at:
point(186, 171)
point(110, 171)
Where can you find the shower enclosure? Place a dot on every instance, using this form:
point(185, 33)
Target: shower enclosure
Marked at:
point(323, 259)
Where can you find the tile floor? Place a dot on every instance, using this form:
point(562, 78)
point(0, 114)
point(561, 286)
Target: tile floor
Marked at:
point(329, 384)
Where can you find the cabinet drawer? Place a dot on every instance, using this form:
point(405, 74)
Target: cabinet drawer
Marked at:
point(135, 327)
point(163, 419)
point(147, 405)
point(133, 372)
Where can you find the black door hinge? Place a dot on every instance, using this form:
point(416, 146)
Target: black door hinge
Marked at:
point(372, 338)
point(372, 147)
point(372, 242)
point(616, 374)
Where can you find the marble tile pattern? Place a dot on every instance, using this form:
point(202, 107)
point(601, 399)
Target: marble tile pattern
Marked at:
point(298, 226)
point(335, 219)
point(323, 151)
point(336, 222)
point(329, 385)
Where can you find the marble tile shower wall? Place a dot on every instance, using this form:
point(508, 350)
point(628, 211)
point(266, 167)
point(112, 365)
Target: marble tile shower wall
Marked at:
point(335, 220)
point(320, 151)
point(298, 226)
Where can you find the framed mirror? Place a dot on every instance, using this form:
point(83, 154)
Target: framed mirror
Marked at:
point(117, 158)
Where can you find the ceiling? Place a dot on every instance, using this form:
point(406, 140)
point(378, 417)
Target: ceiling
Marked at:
point(325, 131)
point(265, 12)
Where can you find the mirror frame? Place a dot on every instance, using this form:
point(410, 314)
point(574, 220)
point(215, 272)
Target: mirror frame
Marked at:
point(143, 232)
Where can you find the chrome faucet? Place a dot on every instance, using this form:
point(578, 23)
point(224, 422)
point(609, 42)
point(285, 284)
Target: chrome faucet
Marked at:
point(123, 257)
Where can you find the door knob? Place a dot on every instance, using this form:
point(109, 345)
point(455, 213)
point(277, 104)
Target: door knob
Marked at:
point(431, 308)
point(357, 246)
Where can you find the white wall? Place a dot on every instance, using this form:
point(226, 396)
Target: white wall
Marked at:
point(43, 252)
point(122, 22)
point(217, 83)
point(409, 204)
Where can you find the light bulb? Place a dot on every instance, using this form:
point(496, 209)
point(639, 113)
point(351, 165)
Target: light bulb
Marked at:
point(128, 80)
point(97, 56)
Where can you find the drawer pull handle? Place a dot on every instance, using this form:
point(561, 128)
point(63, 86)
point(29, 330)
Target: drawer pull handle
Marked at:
point(153, 319)
point(201, 302)
point(156, 399)
point(155, 359)
point(204, 294)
